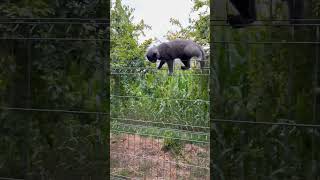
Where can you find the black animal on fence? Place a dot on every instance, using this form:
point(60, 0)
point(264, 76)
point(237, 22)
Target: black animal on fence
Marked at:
point(184, 50)
point(247, 12)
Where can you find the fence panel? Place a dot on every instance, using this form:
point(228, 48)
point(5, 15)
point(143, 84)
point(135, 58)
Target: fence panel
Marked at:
point(264, 103)
point(53, 98)
point(159, 123)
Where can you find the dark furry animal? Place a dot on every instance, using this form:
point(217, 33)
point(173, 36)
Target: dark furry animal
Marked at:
point(247, 12)
point(167, 52)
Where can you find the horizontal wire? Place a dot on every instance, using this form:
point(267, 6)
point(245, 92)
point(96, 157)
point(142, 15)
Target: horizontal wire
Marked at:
point(115, 176)
point(135, 68)
point(269, 25)
point(53, 18)
point(266, 42)
point(152, 159)
point(6, 178)
point(154, 70)
point(53, 110)
point(170, 99)
point(58, 39)
point(167, 129)
point(212, 120)
point(51, 22)
point(124, 60)
point(106, 19)
point(272, 20)
point(159, 136)
point(163, 123)
point(264, 123)
point(140, 69)
point(142, 73)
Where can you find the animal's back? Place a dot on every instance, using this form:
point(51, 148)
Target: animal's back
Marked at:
point(180, 43)
point(177, 47)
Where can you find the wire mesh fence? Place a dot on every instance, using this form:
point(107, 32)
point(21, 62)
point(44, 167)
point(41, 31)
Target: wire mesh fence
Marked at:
point(53, 98)
point(263, 103)
point(264, 108)
point(159, 123)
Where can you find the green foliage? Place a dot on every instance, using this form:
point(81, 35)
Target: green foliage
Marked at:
point(162, 104)
point(173, 145)
point(198, 29)
point(159, 85)
point(264, 82)
point(124, 36)
point(48, 74)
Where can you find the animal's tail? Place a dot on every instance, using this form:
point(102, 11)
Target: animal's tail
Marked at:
point(203, 57)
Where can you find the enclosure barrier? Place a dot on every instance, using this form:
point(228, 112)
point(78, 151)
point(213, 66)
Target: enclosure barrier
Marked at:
point(48, 69)
point(266, 67)
point(276, 148)
point(152, 144)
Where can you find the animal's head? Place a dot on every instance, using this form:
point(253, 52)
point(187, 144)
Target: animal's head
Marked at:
point(153, 54)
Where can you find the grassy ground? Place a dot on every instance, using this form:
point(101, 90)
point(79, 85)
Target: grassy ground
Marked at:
point(137, 157)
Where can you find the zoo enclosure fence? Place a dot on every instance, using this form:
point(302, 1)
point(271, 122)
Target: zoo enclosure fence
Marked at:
point(27, 97)
point(233, 159)
point(138, 144)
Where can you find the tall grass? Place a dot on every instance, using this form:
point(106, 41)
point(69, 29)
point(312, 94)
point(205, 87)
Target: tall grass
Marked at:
point(158, 101)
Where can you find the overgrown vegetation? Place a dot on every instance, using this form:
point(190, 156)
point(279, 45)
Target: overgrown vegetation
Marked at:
point(150, 104)
point(141, 92)
point(52, 74)
point(258, 82)
point(265, 82)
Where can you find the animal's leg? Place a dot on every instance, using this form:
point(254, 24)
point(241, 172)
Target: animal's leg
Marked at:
point(295, 10)
point(186, 64)
point(170, 66)
point(202, 64)
point(246, 8)
point(161, 64)
point(247, 13)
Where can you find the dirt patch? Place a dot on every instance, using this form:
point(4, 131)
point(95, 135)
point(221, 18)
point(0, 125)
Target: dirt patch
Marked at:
point(140, 157)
